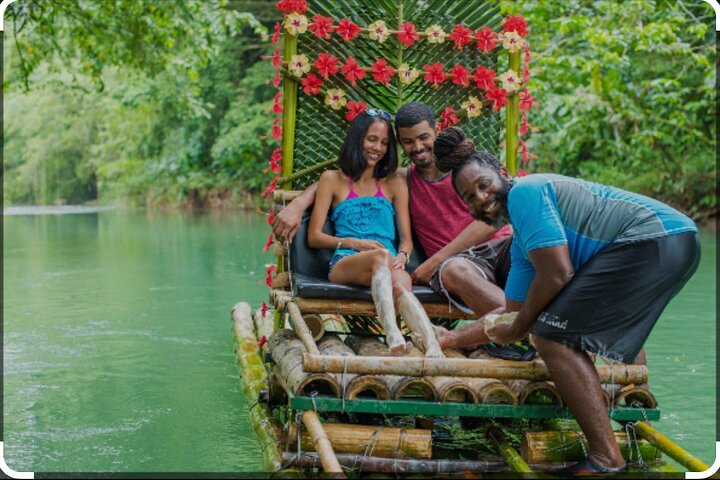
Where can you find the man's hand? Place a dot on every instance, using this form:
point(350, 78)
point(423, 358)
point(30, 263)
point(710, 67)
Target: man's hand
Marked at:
point(286, 223)
point(505, 333)
point(424, 271)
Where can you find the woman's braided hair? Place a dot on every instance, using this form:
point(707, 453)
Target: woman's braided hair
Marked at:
point(453, 149)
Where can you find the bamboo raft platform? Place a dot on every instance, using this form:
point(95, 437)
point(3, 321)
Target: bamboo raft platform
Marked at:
point(325, 397)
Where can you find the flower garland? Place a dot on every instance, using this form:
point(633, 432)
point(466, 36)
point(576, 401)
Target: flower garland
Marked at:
point(313, 75)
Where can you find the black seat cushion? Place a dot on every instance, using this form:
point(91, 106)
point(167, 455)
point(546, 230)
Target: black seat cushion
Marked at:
point(310, 268)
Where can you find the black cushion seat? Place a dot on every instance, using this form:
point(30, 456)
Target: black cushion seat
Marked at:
point(310, 267)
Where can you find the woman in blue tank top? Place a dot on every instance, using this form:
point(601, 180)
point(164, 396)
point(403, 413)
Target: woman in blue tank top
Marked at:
point(366, 195)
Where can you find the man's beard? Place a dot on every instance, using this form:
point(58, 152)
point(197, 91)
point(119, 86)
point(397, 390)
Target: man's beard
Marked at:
point(501, 197)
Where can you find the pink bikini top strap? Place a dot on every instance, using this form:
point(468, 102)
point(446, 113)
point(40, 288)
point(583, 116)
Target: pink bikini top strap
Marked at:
point(352, 193)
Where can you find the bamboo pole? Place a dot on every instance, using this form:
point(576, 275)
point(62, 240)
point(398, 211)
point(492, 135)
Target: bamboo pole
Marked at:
point(670, 448)
point(263, 323)
point(512, 113)
point(315, 324)
point(288, 178)
point(569, 446)
point(332, 345)
point(437, 367)
point(368, 440)
point(322, 444)
point(368, 386)
point(252, 378)
point(509, 454)
point(301, 329)
point(290, 95)
point(535, 393)
point(492, 390)
point(283, 196)
point(634, 396)
point(286, 351)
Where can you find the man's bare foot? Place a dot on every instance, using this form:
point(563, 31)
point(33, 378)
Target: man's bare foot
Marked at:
point(399, 348)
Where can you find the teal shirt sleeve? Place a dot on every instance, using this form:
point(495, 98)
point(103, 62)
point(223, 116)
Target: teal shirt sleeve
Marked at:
point(537, 223)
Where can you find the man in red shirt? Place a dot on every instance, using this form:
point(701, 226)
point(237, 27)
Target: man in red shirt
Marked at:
point(468, 260)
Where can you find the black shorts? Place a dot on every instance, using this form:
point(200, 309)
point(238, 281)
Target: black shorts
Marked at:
point(492, 259)
point(613, 301)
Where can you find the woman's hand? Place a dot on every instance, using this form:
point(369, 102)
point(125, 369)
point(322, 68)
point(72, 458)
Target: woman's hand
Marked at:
point(360, 244)
point(399, 261)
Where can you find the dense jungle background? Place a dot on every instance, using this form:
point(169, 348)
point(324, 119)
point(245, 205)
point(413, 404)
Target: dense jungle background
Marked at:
point(166, 103)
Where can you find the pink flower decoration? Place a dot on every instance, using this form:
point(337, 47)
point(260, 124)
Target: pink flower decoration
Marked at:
point(276, 58)
point(276, 34)
point(461, 35)
point(311, 84)
point(382, 72)
point(524, 124)
point(348, 30)
point(276, 79)
point(269, 242)
point(268, 274)
point(321, 26)
point(486, 39)
point(326, 64)
point(277, 103)
point(408, 34)
point(526, 100)
point(460, 75)
point(276, 130)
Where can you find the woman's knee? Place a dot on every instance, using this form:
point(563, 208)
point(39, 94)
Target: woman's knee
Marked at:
point(380, 258)
point(401, 282)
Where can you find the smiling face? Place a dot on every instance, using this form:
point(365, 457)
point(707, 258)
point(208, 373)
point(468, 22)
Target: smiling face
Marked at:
point(485, 192)
point(375, 143)
point(417, 143)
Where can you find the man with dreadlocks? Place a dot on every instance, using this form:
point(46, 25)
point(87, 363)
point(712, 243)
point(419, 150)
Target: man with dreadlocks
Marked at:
point(592, 269)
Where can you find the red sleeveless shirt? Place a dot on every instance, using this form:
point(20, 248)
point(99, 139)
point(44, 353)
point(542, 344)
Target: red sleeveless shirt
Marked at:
point(437, 213)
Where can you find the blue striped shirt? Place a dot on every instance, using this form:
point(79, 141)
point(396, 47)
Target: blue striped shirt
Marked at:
point(548, 210)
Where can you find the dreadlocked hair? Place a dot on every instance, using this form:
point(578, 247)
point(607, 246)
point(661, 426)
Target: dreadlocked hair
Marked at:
point(453, 149)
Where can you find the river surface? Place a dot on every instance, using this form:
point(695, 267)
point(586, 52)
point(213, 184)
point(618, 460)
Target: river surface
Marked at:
point(118, 352)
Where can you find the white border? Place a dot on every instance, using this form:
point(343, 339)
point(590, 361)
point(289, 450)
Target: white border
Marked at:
point(715, 6)
point(709, 471)
point(3, 6)
point(12, 473)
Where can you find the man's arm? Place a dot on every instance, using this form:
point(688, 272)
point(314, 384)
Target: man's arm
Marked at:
point(288, 219)
point(553, 270)
point(475, 233)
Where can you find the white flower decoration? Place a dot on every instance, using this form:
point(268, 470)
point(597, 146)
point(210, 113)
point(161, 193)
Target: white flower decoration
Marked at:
point(513, 42)
point(378, 31)
point(407, 74)
point(435, 34)
point(473, 107)
point(510, 80)
point(335, 98)
point(299, 65)
point(296, 23)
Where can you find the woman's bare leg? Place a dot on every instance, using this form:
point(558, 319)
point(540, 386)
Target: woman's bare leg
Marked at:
point(371, 268)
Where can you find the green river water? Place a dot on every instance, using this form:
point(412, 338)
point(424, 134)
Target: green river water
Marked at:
point(118, 353)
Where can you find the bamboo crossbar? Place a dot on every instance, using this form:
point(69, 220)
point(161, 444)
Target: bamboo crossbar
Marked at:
point(438, 367)
point(670, 448)
point(301, 328)
point(305, 171)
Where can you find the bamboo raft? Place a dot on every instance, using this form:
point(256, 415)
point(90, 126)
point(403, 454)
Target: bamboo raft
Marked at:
point(325, 397)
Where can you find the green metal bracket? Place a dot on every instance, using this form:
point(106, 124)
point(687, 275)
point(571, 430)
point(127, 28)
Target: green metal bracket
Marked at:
point(419, 407)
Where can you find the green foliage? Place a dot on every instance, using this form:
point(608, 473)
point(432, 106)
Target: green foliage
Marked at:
point(626, 94)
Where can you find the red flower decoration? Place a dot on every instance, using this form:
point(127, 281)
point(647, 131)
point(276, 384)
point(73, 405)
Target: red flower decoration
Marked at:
point(435, 73)
point(526, 63)
point(408, 34)
point(276, 79)
point(326, 64)
point(348, 30)
point(516, 23)
point(289, 6)
point(268, 243)
point(268, 275)
point(352, 71)
point(484, 78)
point(526, 100)
point(486, 39)
point(263, 309)
point(524, 124)
point(263, 340)
point(382, 72)
point(460, 75)
point(276, 34)
point(354, 109)
point(272, 186)
point(447, 119)
point(521, 172)
point(525, 156)
point(275, 162)
point(276, 130)
point(276, 58)
point(498, 96)
point(271, 215)
point(311, 84)
point(277, 103)
point(461, 35)
point(321, 26)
